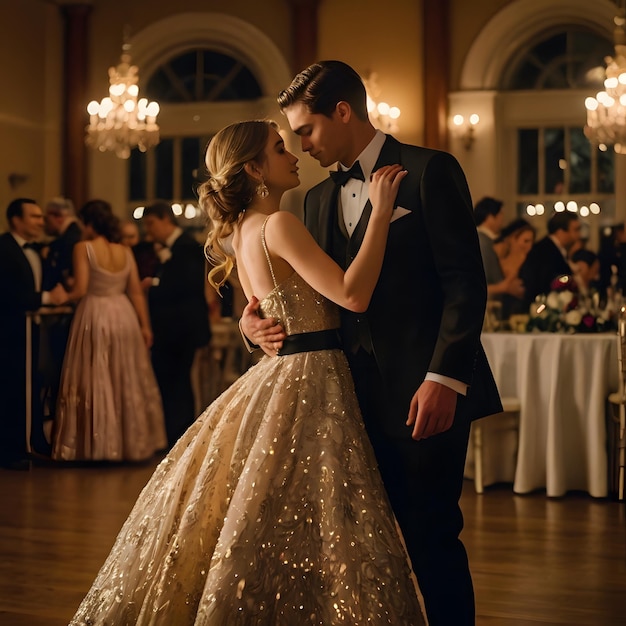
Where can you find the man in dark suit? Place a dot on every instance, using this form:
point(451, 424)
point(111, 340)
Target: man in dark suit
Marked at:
point(547, 259)
point(416, 352)
point(62, 225)
point(179, 315)
point(21, 282)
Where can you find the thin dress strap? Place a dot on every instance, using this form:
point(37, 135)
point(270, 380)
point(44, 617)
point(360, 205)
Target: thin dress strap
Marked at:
point(267, 254)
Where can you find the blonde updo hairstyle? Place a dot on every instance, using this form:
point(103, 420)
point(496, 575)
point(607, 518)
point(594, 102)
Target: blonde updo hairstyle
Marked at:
point(229, 190)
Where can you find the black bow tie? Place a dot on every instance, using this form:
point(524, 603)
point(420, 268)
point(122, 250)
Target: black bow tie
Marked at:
point(341, 177)
point(29, 245)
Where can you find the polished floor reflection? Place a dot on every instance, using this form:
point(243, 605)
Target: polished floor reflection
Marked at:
point(535, 560)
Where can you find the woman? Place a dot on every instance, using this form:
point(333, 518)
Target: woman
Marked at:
point(512, 247)
point(109, 407)
point(270, 509)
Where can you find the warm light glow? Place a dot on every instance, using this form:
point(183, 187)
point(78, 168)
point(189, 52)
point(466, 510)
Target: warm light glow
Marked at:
point(572, 206)
point(474, 119)
point(120, 121)
point(177, 209)
point(606, 118)
point(594, 207)
point(559, 206)
point(458, 120)
point(138, 212)
point(381, 114)
point(540, 209)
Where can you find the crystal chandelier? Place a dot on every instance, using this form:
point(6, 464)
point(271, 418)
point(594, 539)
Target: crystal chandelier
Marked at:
point(122, 121)
point(606, 113)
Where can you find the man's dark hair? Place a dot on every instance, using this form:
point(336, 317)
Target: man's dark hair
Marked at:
point(486, 207)
point(162, 210)
point(586, 256)
point(561, 221)
point(322, 85)
point(16, 208)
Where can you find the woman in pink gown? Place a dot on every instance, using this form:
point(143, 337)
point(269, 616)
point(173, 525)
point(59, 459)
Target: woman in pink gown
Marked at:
point(109, 407)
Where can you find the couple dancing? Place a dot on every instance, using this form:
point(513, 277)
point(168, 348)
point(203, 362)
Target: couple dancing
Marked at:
point(271, 507)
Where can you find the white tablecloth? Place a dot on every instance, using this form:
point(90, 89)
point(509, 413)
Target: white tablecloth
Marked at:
point(562, 382)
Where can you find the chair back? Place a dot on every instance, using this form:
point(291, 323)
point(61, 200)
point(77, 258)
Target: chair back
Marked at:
point(621, 353)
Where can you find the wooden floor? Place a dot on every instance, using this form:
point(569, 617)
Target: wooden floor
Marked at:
point(534, 560)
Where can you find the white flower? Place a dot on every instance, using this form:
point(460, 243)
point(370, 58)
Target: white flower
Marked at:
point(573, 317)
point(553, 301)
point(565, 297)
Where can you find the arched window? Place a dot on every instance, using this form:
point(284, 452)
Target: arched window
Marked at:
point(186, 86)
point(569, 58)
point(556, 164)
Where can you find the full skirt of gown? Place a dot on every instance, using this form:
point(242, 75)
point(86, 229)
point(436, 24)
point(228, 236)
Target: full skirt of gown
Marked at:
point(109, 406)
point(270, 510)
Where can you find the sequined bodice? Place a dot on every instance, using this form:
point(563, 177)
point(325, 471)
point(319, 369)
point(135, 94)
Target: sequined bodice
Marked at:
point(299, 307)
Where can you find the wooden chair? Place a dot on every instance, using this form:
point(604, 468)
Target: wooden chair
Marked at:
point(508, 420)
point(617, 415)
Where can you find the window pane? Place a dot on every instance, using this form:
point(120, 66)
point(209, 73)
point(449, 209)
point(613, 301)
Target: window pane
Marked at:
point(579, 162)
point(606, 171)
point(554, 154)
point(137, 175)
point(191, 159)
point(527, 140)
point(164, 166)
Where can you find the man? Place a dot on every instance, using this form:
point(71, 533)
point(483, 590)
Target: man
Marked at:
point(416, 353)
point(179, 314)
point(20, 291)
point(548, 257)
point(60, 223)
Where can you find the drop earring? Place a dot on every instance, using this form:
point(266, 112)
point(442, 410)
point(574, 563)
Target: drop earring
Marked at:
point(262, 190)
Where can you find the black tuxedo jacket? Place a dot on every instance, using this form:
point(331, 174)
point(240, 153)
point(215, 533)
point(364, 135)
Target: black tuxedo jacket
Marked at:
point(542, 265)
point(178, 307)
point(17, 291)
point(58, 263)
point(427, 310)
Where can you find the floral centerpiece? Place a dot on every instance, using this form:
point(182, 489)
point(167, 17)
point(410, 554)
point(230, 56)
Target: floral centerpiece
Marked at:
point(566, 309)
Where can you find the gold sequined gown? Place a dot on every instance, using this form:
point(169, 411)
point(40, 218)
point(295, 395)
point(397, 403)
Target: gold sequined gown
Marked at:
point(270, 509)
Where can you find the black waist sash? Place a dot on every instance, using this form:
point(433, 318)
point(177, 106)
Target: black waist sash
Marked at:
point(309, 342)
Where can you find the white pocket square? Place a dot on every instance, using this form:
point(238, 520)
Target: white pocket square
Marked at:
point(398, 212)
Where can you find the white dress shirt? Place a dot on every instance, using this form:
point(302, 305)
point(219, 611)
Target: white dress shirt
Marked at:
point(354, 196)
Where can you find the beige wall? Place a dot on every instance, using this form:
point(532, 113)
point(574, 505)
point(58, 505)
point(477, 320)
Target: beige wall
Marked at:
point(30, 106)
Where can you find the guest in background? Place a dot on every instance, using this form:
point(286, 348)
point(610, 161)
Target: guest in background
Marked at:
point(612, 256)
point(179, 312)
point(586, 270)
point(548, 257)
point(129, 233)
point(514, 243)
point(109, 406)
point(144, 251)
point(512, 247)
point(62, 225)
point(21, 279)
point(488, 217)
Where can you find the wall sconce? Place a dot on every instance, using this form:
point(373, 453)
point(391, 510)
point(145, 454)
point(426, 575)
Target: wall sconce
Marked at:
point(381, 114)
point(466, 130)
